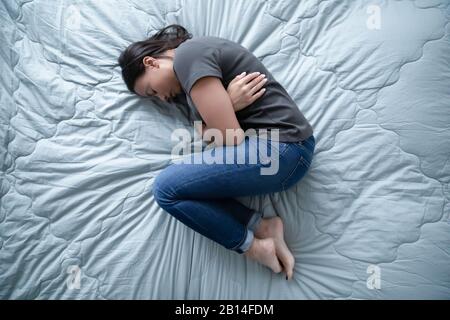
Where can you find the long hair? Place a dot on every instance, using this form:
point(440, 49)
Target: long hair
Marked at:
point(130, 59)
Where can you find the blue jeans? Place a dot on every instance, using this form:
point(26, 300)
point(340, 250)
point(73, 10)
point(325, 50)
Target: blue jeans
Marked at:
point(200, 193)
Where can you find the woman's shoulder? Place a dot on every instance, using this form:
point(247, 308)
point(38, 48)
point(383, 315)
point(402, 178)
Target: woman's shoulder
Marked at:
point(207, 41)
point(195, 48)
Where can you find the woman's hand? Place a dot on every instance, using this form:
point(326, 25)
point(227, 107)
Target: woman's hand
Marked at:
point(245, 89)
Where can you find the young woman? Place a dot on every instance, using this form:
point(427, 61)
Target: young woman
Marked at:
point(208, 71)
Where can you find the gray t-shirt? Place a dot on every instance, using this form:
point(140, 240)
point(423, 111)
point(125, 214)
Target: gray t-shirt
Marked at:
point(213, 56)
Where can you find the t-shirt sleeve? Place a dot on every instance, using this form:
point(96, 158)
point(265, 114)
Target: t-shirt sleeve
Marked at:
point(195, 62)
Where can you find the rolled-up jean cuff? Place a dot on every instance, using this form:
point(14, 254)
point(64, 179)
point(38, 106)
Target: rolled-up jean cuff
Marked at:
point(247, 242)
point(254, 221)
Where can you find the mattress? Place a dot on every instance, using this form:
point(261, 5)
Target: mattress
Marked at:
point(79, 153)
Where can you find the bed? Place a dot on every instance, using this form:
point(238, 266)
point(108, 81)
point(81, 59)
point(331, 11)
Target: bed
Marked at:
point(79, 154)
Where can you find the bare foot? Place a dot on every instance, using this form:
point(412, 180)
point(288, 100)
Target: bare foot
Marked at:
point(263, 251)
point(273, 228)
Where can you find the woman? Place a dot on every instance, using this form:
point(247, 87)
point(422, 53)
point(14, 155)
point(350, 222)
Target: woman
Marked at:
point(201, 195)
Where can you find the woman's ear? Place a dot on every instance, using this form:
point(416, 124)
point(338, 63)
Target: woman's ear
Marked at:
point(148, 61)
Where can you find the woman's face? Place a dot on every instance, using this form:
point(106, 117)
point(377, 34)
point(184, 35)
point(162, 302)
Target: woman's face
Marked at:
point(159, 78)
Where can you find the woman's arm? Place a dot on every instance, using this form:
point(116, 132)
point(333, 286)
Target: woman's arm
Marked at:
point(215, 107)
point(201, 127)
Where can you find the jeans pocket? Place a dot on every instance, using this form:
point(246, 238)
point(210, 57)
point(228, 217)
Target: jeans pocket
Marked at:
point(306, 161)
point(275, 148)
point(296, 174)
point(309, 143)
point(303, 157)
point(305, 151)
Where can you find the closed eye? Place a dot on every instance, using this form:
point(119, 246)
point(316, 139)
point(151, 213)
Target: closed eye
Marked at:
point(149, 94)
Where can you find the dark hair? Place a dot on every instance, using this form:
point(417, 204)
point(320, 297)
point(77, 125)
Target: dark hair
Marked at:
point(130, 59)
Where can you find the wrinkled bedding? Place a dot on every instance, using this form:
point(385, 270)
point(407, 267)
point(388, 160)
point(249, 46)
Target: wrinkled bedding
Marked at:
point(79, 154)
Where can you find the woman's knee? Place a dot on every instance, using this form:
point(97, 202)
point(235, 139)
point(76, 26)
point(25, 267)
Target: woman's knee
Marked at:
point(163, 187)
